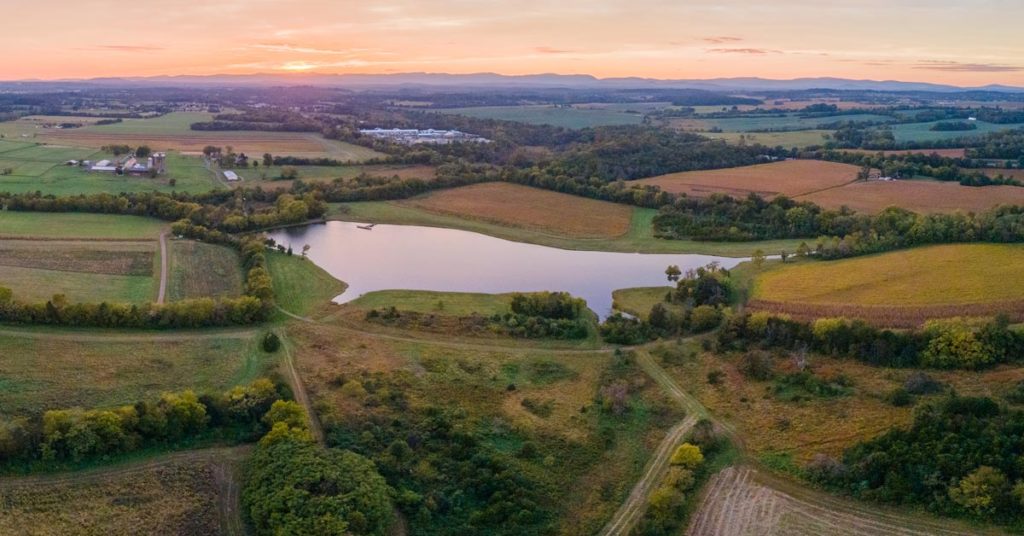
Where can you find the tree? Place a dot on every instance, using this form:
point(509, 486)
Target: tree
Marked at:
point(271, 342)
point(305, 250)
point(687, 456)
point(783, 255)
point(673, 272)
point(268, 160)
point(704, 318)
point(758, 259)
point(143, 151)
point(803, 250)
point(980, 491)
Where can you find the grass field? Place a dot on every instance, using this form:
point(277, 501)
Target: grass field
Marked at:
point(61, 369)
point(265, 176)
point(920, 132)
point(199, 270)
point(446, 303)
point(172, 132)
point(70, 225)
point(754, 122)
point(638, 301)
point(639, 239)
point(559, 116)
point(789, 177)
point(934, 281)
point(187, 494)
point(82, 271)
point(949, 153)
point(923, 196)
point(299, 285)
point(795, 138)
point(530, 208)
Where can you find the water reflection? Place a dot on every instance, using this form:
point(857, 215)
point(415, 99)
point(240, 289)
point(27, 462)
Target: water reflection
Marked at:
point(428, 258)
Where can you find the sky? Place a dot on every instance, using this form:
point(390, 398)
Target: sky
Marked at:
point(961, 42)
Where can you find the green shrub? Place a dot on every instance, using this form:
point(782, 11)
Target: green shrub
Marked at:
point(271, 342)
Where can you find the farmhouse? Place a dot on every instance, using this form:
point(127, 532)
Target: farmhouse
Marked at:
point(130, 165)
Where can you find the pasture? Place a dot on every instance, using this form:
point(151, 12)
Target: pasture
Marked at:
point(53, 369)
point(901, 287)
point(789, 177)
point(171, 132)
point(555, 115)
point(72, 225)
point(530, 208)
point(199, 270)
point(924, 196)
point(82, 271)
point(193, 492)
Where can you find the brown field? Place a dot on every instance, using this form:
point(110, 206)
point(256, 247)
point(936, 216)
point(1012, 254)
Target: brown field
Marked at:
point(186, 493)
point(917, 195)
point(531, 208)
point(740, 501)
point(1009, 173)
point(790, 178)
point(948, 153)
point(889, 316)
point(112, 258)
point(276, 142)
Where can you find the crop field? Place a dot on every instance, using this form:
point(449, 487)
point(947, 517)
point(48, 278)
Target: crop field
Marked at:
point(446, 303)
point(188, 493)
point(71, 225)
point(920, 132)
point(926, 282)
point(924, 196)
point(171, 132)
point(530, 208)
point(790, 177)
point(949, 153)
point(794, 138)
point(266, 177)
point(51, 369)
point(82, 271)
point(755, 122)
point(200, 270)
point(740, 501)
point(559, 116)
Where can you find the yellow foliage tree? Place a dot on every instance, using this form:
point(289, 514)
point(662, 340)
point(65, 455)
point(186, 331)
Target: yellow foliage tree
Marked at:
point(688, 456)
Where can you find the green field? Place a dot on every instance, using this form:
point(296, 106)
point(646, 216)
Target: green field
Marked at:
point(639, 239)
point(559, 116)
point(795, 138)
point(199, 270)
point(638, 301)
point(935, 275)
point(172, 123)
point(32, 285)
point(299, 285)
point(446, 303)
point(62, 369)
point(78, 225)
point(792, 121)
point(920, 132)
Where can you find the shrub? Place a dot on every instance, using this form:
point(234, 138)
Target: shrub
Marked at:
point(981, 491)
point(899, 397)
point(920, 383)
point(687, 456)
point(757, 365)
point(271, 342)
point(704, 318)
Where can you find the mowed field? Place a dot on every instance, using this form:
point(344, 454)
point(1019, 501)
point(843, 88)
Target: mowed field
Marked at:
point(71, 225)
point(793, 138)
point(922, 133)
point(189, 493)
point(790, 177)
point(531, 208)
point(900, 288)
point(199, 270)
point(559, 116)
point(925, 196)
point(173, 132)
point(89, 271)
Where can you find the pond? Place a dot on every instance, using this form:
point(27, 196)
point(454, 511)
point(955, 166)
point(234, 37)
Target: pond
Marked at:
point(390, 257)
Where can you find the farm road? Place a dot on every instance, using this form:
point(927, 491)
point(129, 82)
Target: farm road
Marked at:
point(163, 268)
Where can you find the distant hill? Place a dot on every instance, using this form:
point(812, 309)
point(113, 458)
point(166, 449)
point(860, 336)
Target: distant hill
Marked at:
point(535, 81)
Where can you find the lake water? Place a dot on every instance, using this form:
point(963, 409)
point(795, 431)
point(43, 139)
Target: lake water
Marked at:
point(428, 258)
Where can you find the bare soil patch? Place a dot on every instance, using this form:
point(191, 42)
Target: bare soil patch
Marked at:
point(789, 177)
point(917, 195)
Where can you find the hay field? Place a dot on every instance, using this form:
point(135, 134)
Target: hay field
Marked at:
point(72, 225)
point(82, 271)
point(920, 283)
point(199, 270)
point(790, 177)
point(531, 208)
point(925, 196)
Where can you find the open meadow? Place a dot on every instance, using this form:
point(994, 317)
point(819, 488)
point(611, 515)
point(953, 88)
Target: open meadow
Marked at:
point(268, 178)
point(72, 225)
point(789, 177)
point(902, 287)
point(924, 196)
point(200, 270)
point(770, 122)
point(555, 115)
point(787, 139)
point(531, 208)
point(922, 133)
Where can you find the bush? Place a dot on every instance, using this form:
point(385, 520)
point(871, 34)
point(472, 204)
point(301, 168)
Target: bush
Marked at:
point(687, 456)
point(704, 318)
point(757, 365)
point(899, 397)
point(920, 383)
point(271, 342)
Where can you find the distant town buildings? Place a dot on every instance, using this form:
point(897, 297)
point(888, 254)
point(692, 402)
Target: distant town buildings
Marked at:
point(411, 136)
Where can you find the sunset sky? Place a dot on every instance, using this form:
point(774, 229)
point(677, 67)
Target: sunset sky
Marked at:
point(964, 42)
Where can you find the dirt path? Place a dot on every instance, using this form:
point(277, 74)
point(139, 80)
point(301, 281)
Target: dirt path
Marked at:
point(164, 261)
point(629, 514)
point(301, 396)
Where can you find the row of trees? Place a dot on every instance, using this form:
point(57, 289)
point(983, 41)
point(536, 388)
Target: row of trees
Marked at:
point(910, 165)
point(75, 435)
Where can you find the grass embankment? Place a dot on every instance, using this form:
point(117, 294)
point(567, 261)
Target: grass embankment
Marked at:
point(300, 286)
point(447, 303)
point(638, 301)
point(915, 284)
point(199, 270)
point(85, 271)
point(72, 225)
point(638, 239)
point(40, 373)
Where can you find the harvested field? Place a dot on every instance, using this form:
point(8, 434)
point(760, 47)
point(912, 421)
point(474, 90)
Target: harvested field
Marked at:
point(1008, 173)
point(284, 142)
point(948, 153)
point(189, 493)
point(790, 178)
point(923, 196)
point(740, 501)
point(112, 258)
point(530, 208)
point(901, 288)
point(199, 270)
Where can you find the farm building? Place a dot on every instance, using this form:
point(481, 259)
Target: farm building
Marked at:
point(231, 176)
